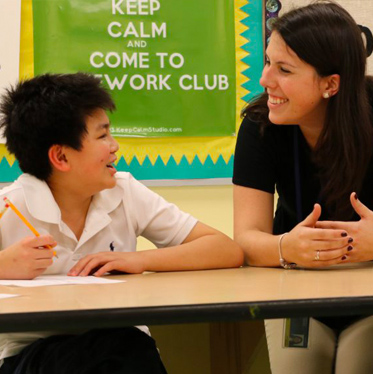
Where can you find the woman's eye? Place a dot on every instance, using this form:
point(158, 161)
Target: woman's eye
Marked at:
point(285, 70)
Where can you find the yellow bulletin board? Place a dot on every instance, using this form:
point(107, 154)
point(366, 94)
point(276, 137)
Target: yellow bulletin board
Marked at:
point(178, 158)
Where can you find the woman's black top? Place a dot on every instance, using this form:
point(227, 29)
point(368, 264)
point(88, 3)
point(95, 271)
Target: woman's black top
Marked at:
point(266, 161)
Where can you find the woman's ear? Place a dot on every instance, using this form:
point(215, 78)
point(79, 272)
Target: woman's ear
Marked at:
point(332, 83)
point(57, 157)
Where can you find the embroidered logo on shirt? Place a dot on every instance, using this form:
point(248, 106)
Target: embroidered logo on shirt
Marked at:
point(111, 245)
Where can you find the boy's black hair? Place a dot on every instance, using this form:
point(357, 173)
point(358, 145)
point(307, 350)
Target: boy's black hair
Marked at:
point(46, 110)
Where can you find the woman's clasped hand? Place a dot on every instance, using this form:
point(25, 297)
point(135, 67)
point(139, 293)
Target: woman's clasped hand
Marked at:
point(311, 246)
point(361, 231)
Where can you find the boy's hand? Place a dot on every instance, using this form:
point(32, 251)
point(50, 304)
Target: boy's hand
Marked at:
point(104, 262)
point(27, 258)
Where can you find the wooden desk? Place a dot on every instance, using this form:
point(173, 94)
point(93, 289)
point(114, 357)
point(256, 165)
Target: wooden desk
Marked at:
point(199, 296)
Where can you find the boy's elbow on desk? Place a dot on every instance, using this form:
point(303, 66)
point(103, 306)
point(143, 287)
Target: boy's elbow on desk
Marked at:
point(235, 252)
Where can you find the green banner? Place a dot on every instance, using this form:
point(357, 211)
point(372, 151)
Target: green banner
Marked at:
point(169, 64)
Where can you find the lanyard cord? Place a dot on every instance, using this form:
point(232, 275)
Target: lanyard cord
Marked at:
point(298, 192)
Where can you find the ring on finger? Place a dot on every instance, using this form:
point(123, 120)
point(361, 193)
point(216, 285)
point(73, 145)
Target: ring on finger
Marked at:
point(317, 256)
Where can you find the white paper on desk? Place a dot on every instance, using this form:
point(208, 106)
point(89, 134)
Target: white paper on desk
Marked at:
point(57, 280)
point(6, 295)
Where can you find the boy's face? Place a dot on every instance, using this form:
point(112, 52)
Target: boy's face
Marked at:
point(93, 164)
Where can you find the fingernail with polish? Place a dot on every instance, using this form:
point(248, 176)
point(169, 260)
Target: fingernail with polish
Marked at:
point(350, 248)
point(344, 234)
point(355, 196)
point(350, 240)
point(344, 257)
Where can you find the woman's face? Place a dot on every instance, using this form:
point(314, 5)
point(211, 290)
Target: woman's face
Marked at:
point(295, 90)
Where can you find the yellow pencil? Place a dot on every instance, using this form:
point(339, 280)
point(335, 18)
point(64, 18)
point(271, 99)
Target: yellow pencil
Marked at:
point(3, 210)
point(24, 220)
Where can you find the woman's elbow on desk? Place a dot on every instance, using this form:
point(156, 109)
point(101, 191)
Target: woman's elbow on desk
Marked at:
point(259, 248)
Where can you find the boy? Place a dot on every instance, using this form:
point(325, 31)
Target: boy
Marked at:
point(57, 127)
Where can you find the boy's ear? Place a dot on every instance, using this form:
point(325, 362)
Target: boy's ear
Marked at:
point(57, 157)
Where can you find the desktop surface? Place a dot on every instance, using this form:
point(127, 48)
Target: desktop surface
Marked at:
point(191, 296)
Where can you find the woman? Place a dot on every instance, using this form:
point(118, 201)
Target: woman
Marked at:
point(310, 136)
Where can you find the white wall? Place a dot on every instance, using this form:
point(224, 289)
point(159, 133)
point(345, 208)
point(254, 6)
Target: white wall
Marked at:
point(361, 10)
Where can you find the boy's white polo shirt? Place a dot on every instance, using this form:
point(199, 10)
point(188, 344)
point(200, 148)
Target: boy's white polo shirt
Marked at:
point(115, 219)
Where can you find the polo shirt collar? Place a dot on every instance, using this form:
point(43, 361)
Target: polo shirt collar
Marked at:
point(98, 214)
point(108, 200)
point(39, 199)
point(42, 205)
